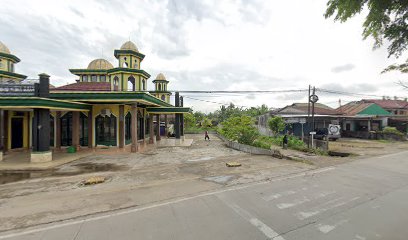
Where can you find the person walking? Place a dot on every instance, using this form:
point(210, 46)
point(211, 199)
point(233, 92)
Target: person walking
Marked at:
point(206, 136)
point(285, 142)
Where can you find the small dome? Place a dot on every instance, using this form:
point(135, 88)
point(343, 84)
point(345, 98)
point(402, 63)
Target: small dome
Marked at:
point(4, 48)
point(129, 45)
point(100, 64)
point(160, 76)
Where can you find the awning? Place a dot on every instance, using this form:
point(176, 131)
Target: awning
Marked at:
point(45, 103)
point(168, 110)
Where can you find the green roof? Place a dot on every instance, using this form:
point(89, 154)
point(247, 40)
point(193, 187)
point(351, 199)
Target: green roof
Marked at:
point(37, 102)
point(374, 109)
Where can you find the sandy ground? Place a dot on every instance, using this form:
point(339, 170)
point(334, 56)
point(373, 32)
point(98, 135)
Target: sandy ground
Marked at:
point(144, 178)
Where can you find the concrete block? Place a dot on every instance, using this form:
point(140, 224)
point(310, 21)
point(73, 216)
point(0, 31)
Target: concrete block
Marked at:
point(1, 156)
point(40, 157)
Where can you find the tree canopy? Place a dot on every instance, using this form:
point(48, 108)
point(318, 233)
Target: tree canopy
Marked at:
point(386, 20)
point(276, 124)
point(240, 129)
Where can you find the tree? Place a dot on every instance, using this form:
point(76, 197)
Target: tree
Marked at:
point(206, 122)
point(386, 20)
point(189, 120)
point(276, 124)
point(240, 129)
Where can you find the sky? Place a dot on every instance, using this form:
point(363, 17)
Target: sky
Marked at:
point(206, 45)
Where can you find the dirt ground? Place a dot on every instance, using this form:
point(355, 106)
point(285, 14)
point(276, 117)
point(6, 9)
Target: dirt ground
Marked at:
point(156, 175)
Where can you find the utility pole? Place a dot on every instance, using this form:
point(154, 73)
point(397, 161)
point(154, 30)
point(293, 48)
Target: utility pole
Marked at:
point(308, 118)
point(313, 110)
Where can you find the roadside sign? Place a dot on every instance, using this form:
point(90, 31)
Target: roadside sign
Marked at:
point(312, 133)
point(302, 120)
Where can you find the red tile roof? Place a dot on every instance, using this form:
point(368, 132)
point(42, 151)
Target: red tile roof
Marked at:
point(388, 104)
point(85, 86)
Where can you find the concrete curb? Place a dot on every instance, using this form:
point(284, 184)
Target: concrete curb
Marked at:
point(253, 150)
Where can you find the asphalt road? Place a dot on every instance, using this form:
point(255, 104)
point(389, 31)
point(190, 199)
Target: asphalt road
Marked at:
point(365, 199)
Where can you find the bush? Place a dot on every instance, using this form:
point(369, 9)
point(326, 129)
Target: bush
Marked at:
point(392, 130)
point(239, 129)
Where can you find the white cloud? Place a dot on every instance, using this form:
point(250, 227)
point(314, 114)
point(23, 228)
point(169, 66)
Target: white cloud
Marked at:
point(203, 45)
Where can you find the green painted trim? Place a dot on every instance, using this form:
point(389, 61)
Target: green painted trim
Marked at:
point(168, 110)
point(153, 92)
point(36, 102)
point(129, 70)
point(10, 56)
point(105, 96)
point(162, 81)
point(117, 52)
point(87, 71)
point(374, 109)
point(11, 74)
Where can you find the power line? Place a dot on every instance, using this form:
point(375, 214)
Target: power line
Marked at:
point(245, 91)
point(201, 100)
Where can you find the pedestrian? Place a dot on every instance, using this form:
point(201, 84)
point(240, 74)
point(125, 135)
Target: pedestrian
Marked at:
point(206, 136)
point(285, 142)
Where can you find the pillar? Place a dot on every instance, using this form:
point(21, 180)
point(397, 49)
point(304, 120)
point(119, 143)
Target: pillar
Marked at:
point(5, 131)
point(122, 126)
point(158, 137)
point(165, 126)
point(133, 129)
point(75, 130)
point(90, 129)
point(369, 125)
point(58, 130)
point(177, 117)
point(41, 124)
point(151, 130)
point(1, 133)
point(181, 119)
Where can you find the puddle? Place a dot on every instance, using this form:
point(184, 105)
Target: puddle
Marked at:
point(68, 170)
point(219, 179)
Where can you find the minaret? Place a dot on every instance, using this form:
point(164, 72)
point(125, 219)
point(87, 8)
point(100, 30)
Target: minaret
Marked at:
point(160, 87)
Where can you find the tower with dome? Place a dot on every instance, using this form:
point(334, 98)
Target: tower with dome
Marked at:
point(7, 69)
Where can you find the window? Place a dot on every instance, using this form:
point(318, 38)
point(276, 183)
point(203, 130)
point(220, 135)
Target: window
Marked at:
point(135, 63)
point(1, 64)
point(116, 81)
point(11, 67)
point(159, 86)
point(163, 98)
point(143, 85)
point(85, 78)
point(94, 78)
point(102, 78)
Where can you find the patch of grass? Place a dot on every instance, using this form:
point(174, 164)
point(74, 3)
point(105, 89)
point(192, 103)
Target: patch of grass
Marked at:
point(198, 130)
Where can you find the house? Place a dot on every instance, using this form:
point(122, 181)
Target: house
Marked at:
point(107, 106)
point(359, 118)
point(296, 117)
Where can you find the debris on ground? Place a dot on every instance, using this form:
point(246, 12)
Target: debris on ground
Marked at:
point(233, 164)
point(93, 180)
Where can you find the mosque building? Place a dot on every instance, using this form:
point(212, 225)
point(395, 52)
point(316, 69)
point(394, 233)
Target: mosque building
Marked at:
point(107, 106)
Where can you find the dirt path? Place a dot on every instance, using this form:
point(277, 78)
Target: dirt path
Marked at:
point(133, 180)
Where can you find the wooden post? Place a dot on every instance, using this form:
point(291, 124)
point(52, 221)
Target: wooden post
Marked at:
point(158, 138)
point(75, 130)
point(166, 130)
point(90, 129)
point(151, 129)
point(58, 130)
point(121, 126)
point(133, 129)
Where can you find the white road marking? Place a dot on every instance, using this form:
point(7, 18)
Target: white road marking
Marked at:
point(304, 200)
point(265, 229)
point(278, 195)
point(304, 215)
point(127, 211)
point(328, 228)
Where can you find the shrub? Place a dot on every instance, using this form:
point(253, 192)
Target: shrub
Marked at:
point(392, 130)
point(276, 124)
point(239, 129)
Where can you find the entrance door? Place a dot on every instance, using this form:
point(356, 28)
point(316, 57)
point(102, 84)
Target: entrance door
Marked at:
point(16, 133)
point(105, 130)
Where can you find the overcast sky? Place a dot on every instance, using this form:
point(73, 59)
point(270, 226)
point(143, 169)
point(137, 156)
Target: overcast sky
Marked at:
point(204, 45)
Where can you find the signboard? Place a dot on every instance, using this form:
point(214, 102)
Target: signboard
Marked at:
point(312, 133)
point(295, 120)
point(302, 120)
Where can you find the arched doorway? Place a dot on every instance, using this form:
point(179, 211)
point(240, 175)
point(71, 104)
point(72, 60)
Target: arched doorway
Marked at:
point(105, 130)
point(132, 86)
point(116, 83)
point(66, 129)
